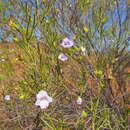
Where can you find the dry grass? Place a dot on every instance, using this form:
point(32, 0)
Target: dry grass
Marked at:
point(71, 74)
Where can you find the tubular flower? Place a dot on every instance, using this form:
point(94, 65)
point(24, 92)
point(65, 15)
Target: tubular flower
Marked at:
point(62, 57)
point(79, 100)
point(7, 97)
point(67, 43)
point(43, 99)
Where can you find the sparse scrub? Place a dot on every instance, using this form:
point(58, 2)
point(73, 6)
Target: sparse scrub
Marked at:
point(67, 66)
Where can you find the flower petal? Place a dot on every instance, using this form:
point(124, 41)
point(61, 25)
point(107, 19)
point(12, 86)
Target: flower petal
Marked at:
point(41, 94)
point(37, 103)
point(44, 104)
point(49, 99)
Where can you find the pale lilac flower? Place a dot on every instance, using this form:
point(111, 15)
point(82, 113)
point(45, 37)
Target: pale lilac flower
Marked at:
point(79, 100)
point(43, 99)
point(7, 97)
point(62, 57)
point(67, 43)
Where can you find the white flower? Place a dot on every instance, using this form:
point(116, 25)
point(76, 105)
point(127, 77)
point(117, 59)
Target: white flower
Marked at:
point(62, 57)
point(2, 59)
point(79, 100)
point(11, 50)
point(43, 99)
point(67, 43)
point(7, 97)
point(83, 49)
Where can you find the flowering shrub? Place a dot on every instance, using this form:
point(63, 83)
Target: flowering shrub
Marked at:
point(93, 45)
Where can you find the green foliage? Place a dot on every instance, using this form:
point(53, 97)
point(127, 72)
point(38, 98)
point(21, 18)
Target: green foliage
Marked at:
point(100, 54)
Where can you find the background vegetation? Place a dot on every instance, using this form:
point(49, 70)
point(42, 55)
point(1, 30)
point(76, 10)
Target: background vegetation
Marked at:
point(97, 69)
